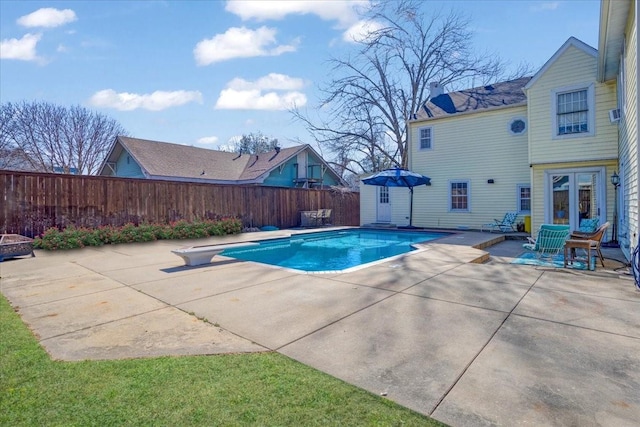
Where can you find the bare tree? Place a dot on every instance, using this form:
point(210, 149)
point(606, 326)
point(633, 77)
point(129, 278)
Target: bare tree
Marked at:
point(255, 143)
point(373, 92)
point(56, 138)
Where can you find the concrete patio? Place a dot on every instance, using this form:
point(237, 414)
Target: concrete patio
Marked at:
point(467, 343)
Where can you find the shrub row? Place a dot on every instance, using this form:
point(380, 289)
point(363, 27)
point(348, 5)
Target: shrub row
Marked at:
point(72, 237)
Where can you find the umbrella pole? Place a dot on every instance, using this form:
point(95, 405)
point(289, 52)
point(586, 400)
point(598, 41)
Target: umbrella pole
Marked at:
point(411, 208)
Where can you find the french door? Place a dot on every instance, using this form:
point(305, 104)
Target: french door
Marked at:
point(574, 194)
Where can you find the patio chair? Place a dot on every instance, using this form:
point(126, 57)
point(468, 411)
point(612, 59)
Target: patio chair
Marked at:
point(324, 216)
point(504, 226)
point(549, 241)
point(595, 238)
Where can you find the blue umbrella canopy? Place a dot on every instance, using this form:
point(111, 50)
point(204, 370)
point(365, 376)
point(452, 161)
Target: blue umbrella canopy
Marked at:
point(397, 178)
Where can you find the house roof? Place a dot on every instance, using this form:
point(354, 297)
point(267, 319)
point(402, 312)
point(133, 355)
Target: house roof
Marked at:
point(163, 160)
point(613, 19)
point(572, 41)
point(483, 98)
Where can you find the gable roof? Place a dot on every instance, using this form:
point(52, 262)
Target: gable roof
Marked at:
point(483, 98)
point(572, 41)
point(164, 160)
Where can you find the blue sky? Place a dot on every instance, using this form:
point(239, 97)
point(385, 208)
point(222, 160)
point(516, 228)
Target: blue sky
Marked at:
point(204, 72)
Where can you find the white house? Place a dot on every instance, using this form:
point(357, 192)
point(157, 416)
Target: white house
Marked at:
point(541, 146)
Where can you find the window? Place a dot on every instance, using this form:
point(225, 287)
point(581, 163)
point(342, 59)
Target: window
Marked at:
point(384, 194)
point(573, 112)
point(459, 196)
point(622, 82)
point(517, 126)
point(524, 198)
point(426, 136)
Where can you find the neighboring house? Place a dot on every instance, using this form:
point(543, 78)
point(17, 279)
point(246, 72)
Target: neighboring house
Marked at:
point(299, 166)
point(17, 160)
point(618, 63)
point(546, 147)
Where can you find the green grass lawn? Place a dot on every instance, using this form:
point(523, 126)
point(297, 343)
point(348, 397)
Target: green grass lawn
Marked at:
point(265, 389)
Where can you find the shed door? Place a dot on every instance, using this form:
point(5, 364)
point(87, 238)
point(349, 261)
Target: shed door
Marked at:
point(384, 207)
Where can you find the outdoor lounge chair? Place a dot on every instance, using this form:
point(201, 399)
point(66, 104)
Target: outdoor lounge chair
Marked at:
point(595, 238)
point(504, 226)
point(549, 241)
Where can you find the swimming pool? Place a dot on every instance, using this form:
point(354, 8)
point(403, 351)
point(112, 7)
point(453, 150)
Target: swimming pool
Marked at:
point(333, 250)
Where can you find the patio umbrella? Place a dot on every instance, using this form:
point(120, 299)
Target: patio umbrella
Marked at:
point(399, 178)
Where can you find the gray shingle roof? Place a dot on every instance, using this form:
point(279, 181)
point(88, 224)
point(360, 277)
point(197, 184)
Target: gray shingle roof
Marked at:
point(167, 160)
point(483, 98)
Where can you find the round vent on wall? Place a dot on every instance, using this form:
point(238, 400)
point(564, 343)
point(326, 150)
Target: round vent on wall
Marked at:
point(517, 126)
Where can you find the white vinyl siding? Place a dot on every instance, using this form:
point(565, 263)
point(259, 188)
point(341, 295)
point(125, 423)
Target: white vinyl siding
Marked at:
point(574, 70)
point(629, 150)
point(426, 138)
point(501, 158)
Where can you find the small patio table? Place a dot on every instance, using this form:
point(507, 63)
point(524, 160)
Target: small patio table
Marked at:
point(570, 247)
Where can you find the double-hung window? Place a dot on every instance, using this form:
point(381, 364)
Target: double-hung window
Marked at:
point(426, 138)
point(573, 112)
point(524, 198)
point(459, 196)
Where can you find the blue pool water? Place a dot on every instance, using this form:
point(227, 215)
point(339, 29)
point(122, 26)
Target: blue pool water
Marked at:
point(333, 250)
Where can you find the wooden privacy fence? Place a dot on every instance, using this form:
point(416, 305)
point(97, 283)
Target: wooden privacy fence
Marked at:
point(30, 203)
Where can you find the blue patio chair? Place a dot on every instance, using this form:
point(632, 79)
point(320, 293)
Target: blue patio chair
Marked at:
point(549, 241)
point(504, 226)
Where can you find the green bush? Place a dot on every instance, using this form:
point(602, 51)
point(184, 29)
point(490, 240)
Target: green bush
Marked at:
point(72, 237)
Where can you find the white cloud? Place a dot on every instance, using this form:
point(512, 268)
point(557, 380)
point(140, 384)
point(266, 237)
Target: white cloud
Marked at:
point(271, 92)
point(47, 17)
point(232, 99)
point(271, 81)
point(23, 49)
point(361, 31)
point(343, 11)
point(550, 5)
point(208, 140)
point(229, 148)
point(240, 42)
point(156, 101)
point(62, 48)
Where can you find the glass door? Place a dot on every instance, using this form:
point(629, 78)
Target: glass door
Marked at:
point(574, 195)
point(587, 196)
point(561, 199)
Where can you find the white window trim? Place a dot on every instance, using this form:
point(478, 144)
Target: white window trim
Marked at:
point(591, 115)
point(518, 199)
point(420, 139)
point(513, 119)
point(456, 181)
